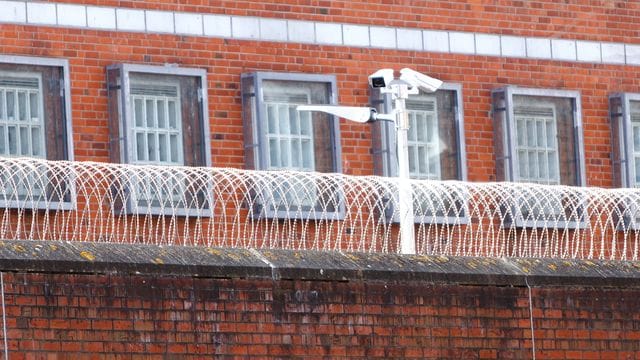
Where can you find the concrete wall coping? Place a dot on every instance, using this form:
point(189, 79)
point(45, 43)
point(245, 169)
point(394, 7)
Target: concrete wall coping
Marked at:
point(114, 258)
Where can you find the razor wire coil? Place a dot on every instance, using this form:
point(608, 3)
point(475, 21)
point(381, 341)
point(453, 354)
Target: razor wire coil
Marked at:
point(224, 207)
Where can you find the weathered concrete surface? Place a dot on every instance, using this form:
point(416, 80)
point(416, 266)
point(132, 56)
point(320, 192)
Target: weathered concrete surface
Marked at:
point(83, 257)
point(77, 257)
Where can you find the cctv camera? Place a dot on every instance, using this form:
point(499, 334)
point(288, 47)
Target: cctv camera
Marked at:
point(421, 81)
point(381, 78)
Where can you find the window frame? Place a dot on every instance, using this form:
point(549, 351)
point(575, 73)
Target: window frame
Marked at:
point(40, 110)
point(622, 155)
point(624, 138)
point(65, 93)
point(146, 130)
point(385, 133)
point(530, 118)
point(415, 143)
point(126, 124)
point(509, 146)
point(257, 152)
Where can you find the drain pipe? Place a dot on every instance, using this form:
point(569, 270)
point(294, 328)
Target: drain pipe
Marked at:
point(533, 337)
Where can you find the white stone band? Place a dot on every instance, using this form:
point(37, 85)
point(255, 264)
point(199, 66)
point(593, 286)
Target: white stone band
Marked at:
point(310, 32)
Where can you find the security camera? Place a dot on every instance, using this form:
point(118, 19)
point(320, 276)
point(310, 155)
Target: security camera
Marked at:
point(419, 80)
point(381, 78)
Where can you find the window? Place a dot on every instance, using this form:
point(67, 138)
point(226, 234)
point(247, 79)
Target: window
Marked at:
point(35, 123)
point(538, 139)
point(625, 126)
point(278, 137)
point(157, 124)
point(162, 122)
point(435, 147)
point(537, 143)
point(624, 109)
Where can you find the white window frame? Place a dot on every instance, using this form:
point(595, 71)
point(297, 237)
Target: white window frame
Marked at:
point(537, 148)
point(510, 141)
point(30, 180)
point(387, 134)
point(257, 125)
point(414, 144)
point(279, 137)
point(146, 130)
point(16, 122)
point(8, 200)
point(127, 126)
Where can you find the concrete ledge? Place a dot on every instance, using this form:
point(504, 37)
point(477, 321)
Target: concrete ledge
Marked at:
point(92, 258)
point(82, 257)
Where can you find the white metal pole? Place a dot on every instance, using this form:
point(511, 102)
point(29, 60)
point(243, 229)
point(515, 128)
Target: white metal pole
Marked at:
point(405, 198)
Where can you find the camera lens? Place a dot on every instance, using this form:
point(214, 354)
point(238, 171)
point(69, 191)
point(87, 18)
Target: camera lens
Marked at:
point(377, 82)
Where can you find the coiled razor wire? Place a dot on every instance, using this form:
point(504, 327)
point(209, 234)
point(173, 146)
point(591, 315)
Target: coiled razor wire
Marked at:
point(222, 207)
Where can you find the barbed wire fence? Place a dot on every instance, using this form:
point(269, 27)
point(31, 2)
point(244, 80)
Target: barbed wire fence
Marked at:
point(223, 207)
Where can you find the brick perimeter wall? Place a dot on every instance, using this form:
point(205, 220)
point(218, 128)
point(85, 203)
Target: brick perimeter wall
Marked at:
point(119, 316)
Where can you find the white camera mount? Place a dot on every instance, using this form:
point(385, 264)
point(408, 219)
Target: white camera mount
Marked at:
point(410, 82)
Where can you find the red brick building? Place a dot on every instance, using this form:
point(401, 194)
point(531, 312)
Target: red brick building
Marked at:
point(586, 48)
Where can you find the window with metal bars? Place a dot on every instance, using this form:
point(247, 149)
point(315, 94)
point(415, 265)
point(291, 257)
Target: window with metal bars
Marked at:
point(624, 111)
point(537, 144)
point(22, 128)
point(278, 137)
point(35, 123)
point(157, 113)
point(157, 126)
point(538, 139)
point(21, 119)
point(436, 150)
point(423, 139)
point(289, 132)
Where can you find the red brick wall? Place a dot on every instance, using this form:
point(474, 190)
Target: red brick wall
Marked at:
point(109, 316)
point(90, 51)
point(598, 20)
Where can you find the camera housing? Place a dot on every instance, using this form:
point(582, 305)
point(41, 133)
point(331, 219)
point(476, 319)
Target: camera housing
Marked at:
point(419, 80)
point(381, 78)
